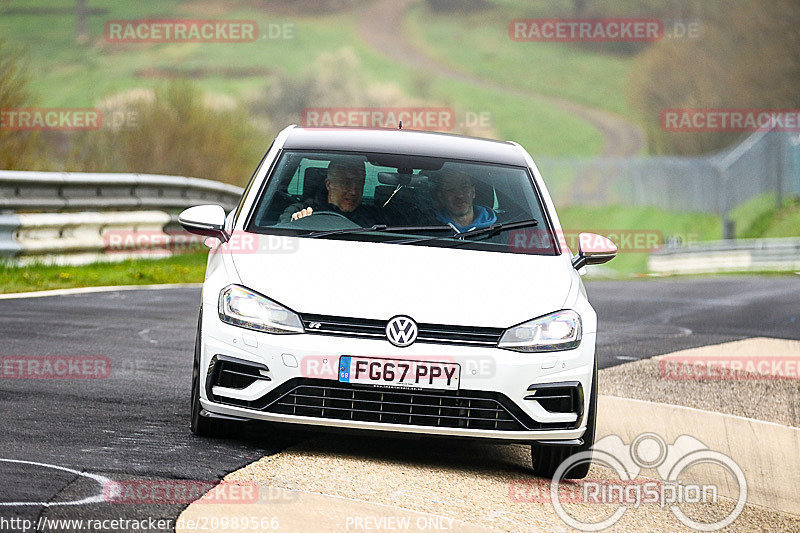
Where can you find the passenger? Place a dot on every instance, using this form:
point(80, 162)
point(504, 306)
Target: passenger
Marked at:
point(454, 192)
point(342, 193)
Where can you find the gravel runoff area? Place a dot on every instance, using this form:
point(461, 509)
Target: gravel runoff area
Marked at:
point(491, 485)
point(487, 485)
point(701, 378)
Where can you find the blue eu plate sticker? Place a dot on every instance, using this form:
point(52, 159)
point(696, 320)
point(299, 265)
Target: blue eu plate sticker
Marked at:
point(344, 368)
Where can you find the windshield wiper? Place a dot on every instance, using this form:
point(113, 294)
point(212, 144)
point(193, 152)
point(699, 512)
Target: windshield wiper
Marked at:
point(378, 227)
point(494, 229)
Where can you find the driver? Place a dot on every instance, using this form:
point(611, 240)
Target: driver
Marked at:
point(344, 188)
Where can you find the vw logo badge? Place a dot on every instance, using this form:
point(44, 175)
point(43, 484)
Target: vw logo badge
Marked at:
point(401, 331)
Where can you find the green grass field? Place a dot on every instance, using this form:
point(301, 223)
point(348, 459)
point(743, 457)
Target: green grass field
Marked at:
point(479, 44)
point(186, 268)
point(643, 221)
point(758, 218)
point(65, 74)
point(761, 218)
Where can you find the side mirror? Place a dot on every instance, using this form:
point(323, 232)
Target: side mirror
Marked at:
point(593, 250)
point(207, 220)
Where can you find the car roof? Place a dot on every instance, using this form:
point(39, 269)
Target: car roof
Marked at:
point(407, 142)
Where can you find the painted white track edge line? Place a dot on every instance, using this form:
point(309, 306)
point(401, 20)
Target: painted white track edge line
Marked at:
point(660, 404)
point(89, 290)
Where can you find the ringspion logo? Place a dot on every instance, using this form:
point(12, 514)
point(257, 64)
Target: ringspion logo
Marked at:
point(677, 488)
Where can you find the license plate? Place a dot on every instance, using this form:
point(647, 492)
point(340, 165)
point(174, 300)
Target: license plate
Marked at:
point(399, 373)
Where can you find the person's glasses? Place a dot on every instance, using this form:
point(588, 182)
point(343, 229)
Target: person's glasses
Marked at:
point(459, 189)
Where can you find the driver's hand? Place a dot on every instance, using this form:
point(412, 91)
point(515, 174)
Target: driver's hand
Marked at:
point(302, 213)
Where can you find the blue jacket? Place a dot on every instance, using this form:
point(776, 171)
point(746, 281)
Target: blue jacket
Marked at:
point(484, 217)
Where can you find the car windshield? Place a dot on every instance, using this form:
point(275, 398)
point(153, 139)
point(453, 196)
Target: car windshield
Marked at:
point(403, 199)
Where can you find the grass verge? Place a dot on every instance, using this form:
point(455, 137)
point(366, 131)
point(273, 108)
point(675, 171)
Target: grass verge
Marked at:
point(185, 268)
point(758, 215)
point(638, 223)
point(479, 43)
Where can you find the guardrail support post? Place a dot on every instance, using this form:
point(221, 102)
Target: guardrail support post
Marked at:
point(728, 229)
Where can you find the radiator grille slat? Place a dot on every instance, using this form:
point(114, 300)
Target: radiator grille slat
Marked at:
point(369, 328)
point(333, 400)
point(396, 407)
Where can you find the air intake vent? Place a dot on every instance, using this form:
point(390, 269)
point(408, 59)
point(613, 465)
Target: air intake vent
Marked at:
point(565, 397)
point(233, 373)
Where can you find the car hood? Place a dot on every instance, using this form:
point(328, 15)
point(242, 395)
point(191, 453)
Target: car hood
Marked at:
point(430, 284)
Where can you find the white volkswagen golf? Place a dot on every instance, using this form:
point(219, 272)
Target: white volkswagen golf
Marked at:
point(398, 281)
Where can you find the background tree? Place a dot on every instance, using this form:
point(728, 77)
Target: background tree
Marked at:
point(19, 150)
point(747, 57)
point(172, 131)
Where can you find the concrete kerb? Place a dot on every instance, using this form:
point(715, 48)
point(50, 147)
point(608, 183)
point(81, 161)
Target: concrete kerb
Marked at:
point(767, 453)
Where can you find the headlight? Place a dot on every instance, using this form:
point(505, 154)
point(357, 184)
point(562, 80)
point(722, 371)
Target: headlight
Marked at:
point(557, 331)
point(247, 309)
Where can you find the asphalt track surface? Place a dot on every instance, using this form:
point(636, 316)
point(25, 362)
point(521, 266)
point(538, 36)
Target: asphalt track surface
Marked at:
point(134, 424)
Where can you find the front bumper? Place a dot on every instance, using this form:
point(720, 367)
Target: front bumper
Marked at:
point(311, 360)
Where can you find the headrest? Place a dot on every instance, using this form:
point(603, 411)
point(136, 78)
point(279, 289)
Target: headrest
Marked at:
point(313, 181)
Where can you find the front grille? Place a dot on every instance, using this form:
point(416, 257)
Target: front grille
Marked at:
point(368, 328)
point(330, 399)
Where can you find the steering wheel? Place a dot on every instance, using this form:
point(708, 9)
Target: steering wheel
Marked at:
point(334, 213)
point(326, 220)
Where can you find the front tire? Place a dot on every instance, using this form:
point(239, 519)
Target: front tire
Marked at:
point(547, 458)
point(202, 426)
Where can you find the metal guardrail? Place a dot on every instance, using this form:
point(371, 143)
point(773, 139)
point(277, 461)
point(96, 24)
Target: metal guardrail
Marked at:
point(79, 238)
point(765, 163)
point(745, 255)
point(65, 191)
point(66, 217)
